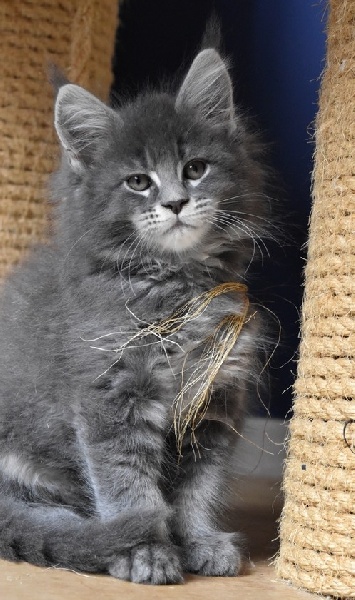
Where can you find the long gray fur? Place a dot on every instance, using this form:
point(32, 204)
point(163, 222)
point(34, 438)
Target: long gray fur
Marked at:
point(89, 473)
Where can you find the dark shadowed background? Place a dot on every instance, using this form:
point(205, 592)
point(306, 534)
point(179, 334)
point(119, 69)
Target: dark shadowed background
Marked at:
point(276, 50)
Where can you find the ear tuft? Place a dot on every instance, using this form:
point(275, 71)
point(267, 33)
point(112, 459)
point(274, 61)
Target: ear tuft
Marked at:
point(81, 121)
point(56, 77)
point(207, 88)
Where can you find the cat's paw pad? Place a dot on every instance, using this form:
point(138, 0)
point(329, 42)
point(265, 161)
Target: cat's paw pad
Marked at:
point(148, 563)
point(215, 555)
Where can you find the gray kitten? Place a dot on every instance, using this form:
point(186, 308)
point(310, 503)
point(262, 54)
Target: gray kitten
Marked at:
point(157, 201)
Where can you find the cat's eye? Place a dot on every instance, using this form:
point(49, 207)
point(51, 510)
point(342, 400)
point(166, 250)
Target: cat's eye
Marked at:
point(194, 169)
point(139, 182)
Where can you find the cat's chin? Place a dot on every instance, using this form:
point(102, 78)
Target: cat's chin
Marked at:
point(180, 237)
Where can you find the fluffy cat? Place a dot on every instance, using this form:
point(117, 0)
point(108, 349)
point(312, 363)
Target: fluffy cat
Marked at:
point(156, 201)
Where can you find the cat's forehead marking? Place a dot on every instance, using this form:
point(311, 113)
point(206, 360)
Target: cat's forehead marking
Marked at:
point(155, 177)
point(169, 167)
point(179, 170)
point(170, 184)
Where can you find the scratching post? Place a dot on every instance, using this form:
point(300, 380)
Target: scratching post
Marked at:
point(318, 523)
point(78, 36)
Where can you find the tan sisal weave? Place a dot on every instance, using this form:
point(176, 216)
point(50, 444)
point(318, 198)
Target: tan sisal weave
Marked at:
point(318, 522)
point(78, 36)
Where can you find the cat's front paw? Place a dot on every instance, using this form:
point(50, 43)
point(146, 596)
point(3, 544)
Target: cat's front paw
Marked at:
point(214, 555)
point(148, 563)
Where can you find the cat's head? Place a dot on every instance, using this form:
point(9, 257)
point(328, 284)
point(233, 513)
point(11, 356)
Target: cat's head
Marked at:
point(168, 171)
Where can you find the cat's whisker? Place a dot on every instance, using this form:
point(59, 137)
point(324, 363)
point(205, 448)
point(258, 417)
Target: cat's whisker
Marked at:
point(111, 256)
point(139, 242)
point(117, 255)
point(250, 197)
point(213, 221)
point(76, 243)
point(263, 231)
point(120, 262)
point(253, 216)
point(235, 228)
point(242, 224)
point(239, 225)
point(146, 262)
point(130, 252)
point(108, 259)
point(245, 196)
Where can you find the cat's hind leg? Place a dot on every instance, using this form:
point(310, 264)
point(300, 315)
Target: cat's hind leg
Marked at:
point(39, 524)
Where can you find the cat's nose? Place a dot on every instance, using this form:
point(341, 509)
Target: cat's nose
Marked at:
point(176, 205)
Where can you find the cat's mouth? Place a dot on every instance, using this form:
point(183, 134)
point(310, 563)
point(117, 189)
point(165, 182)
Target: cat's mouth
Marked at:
point(179, 236)
point(180, 225)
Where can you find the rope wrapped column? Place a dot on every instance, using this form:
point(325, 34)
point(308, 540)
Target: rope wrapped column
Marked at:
point(76, 35)
point(318, 523)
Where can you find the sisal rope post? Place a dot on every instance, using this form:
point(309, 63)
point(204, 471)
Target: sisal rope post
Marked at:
point(76, 35)
point(318, 522)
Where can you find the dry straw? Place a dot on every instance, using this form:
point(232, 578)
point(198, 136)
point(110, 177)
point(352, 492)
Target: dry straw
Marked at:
point(199, 385)
point(78, 36)
point(318, 522)
point(193, 399)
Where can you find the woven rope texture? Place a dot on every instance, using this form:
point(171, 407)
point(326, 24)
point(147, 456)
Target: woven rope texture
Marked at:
point(318, 522)
point(78, 36)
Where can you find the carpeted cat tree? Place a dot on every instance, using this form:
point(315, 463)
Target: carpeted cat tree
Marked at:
point(318, 522)
point(78, 36)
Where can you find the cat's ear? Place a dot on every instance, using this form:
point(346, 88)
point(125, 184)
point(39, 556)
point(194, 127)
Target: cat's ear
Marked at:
point(207, 87)
point(81, 121)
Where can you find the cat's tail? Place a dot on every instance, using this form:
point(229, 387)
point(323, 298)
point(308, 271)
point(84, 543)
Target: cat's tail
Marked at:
point(56, 536)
